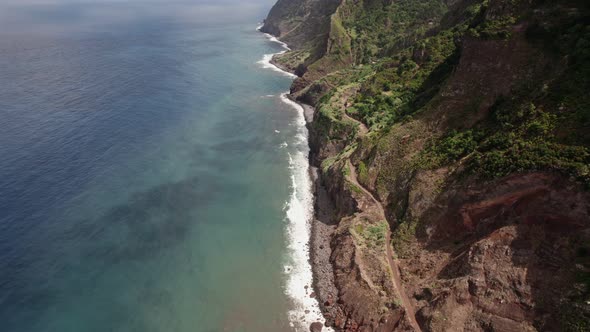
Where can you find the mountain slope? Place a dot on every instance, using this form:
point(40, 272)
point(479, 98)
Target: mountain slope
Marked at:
point(469, 122)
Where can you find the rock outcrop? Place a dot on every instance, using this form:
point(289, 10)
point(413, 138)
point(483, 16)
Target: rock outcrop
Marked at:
point(316, 327)
point(301, 23)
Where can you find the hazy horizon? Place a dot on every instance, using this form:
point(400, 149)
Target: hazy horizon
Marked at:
point(50, 16)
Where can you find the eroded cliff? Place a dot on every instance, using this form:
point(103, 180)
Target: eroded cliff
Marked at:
point(452, 138)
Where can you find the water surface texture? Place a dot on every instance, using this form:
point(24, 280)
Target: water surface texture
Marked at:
point(148, 170)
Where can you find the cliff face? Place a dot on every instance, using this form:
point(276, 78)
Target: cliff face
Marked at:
point(300, 23)
point(305, 26)
point(453, 138)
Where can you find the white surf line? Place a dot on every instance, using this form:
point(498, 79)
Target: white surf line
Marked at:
point(266, 59)
point(299, 214)
point(305, 309)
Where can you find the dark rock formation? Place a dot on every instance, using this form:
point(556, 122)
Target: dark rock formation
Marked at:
point(316, 327)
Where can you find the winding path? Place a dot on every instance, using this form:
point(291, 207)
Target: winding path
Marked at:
point(393, 264)
point(363, 130)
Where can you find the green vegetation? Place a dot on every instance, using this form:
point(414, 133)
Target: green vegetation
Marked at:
point(403, 236)
point(346, 171)
point(452, 147)
point(407, 81)
point(374, 235)
point(339, 38)
point(519, 137)
point(569, 92)
point(540, 126)
point(327, 163)
point(500, 28)
point(529, 155)
point(331, 125)
point(354, 188)
point(378, 29)
point(363, 173)
point(415, 73)
point(293, 60)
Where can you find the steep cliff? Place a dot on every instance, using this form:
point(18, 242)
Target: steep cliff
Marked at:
point(305, 26)
point(453, 141)
point(301, 23)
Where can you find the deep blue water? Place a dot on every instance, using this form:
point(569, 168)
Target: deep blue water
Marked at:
point(144, 168)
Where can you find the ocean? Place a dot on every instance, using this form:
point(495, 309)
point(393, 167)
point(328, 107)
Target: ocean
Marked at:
point(153, 175)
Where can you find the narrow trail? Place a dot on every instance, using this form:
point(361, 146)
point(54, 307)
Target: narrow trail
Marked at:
point(363, 130)
point(393, 264)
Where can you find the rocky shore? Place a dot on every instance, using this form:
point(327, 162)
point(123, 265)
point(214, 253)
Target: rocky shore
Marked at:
point(322, 228)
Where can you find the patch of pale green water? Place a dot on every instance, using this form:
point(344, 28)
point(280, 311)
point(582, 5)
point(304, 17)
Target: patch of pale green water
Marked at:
point(183, 227)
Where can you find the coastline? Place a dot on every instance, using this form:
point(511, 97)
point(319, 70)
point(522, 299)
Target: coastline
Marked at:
point(322, 230)
point(322, 227)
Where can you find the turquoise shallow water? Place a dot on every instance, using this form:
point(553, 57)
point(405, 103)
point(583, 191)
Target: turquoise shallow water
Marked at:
point(145, 172)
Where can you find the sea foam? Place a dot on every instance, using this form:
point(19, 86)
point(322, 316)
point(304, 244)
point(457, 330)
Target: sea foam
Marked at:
point(266, 63)
point(299, 213)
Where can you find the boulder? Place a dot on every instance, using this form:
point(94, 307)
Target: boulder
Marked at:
point(316, 327)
